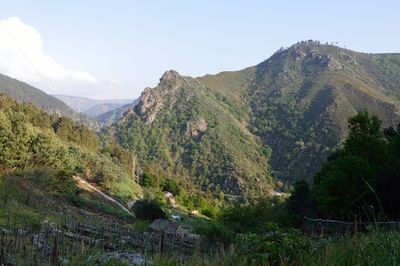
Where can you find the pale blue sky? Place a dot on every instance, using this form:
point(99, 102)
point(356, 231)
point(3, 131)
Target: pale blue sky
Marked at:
point(134, 42)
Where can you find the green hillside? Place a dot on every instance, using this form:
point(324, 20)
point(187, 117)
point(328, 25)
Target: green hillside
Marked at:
point(186, 130)
point(31, 140)
point(219, 130)
point(26, 93)
point(301, 99)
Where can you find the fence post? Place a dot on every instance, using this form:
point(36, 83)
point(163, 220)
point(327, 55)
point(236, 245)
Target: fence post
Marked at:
point(162, 236)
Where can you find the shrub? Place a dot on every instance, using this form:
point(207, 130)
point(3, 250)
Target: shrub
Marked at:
point(147, 209)
point(215, 232)
point(148, 180)
point(170, 185)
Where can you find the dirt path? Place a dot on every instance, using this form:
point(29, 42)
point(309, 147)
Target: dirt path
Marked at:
point(86, 185)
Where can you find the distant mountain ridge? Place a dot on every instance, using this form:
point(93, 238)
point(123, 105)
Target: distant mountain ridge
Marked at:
point(241, 132)
point(26, 93)
point(92, 107)
point(110, 117)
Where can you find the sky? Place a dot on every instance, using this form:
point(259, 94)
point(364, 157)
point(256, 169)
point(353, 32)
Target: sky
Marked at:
point(115, 49)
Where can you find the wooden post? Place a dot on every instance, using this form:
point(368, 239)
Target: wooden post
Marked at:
point(162, 237)
point(355, 224)
point(2, 247)
point(55, 251)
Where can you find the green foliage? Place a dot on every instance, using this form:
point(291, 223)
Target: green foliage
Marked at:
point(288, 112)
point(148, 180)
point(276, 247)
point(374, 248)
point(216, 232)
point(26, 93)
point(210, 211)
point(290, 247)
point(148, 209)
point(194, 135)
point(170, 185)
point(251, 217)
point(355, 179)
point(32, 139)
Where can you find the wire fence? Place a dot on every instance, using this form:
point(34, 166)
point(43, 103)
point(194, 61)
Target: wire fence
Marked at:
point(327, 226)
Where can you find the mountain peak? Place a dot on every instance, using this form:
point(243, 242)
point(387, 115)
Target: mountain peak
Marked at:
point(170, 75)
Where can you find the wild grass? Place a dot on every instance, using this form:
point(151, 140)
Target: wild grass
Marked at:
point(377, 247)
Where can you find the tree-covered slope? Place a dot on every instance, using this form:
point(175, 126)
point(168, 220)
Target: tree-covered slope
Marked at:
point(26, 93)
point(23, 92)
point(186, 130)
point(219, 130)
point(302, 97)
point(31, 139)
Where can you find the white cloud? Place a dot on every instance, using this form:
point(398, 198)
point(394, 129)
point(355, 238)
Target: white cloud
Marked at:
point(22, 57)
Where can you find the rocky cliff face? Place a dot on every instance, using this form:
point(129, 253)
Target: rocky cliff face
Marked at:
point(152, 100)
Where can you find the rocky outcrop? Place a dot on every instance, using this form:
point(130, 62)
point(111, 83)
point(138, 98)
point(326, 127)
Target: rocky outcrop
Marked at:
point(196, 127)
point(152, 99)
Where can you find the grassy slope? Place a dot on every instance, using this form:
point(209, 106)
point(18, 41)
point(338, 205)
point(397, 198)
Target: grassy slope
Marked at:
point(30, 197)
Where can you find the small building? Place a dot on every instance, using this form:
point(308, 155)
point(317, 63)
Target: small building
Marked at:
point(194, 213)
point(170, 198)
point(168, 195)
point(172, 228)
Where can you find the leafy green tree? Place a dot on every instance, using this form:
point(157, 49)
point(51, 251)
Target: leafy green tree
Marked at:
point(148, 180)
point(6, 144)
point(170, 185)
point(388, 181)
point(346, 184)
point(366, 138)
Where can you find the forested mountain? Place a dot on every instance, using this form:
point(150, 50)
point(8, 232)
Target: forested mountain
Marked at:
point(235, 130)
point(300, 98)
point(26, 93)
point(182, 129)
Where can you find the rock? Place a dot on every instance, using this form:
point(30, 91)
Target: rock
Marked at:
point(152, 100)
point(124, 257)
point(196, 126)
point(99, 243)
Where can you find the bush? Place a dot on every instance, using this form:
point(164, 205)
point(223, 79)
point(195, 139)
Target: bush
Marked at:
point(276, 246)
point(170, 185)
point(148, 180)
point(150, 210)
point(215, 232)
point(210, 211)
